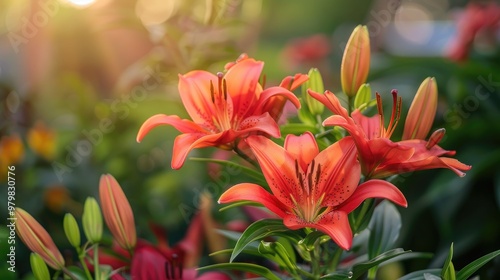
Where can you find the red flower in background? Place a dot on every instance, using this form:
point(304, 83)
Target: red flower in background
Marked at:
point(225, 108)
point(160, 261)
point(476, 18)
point(311, 188)
point(308, 50)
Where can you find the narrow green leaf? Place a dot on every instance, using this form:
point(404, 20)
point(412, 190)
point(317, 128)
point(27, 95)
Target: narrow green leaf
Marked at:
point(384, 226)
point(337, 276)
point(419, 275)
point(360, 268)
point(257, 231)
point(237, 204)
point(448, 271)
point(253, 268)
point(469, 269)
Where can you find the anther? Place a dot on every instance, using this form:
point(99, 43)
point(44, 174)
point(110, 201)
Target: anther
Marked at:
point(436, 136)
point(212, 91)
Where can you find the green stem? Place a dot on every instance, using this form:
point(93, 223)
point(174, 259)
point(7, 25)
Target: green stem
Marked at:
point(81, 257)
point(335, 259)
point(361, 215)
point(319, 122)
point(96, 261)
point(315, 261)
point(70, 275)
point(372, 273)
point(350, 104)
point(306, 274)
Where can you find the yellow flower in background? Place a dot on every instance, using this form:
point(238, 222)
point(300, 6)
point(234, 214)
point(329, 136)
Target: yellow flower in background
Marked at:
point(42, 140)
point(11, 152)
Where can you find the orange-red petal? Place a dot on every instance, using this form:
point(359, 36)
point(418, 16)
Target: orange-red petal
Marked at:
point(334, 223)
point(194, 90)
point(253, 192)
point(374, 189)
point(278, 167)
point(184, 126)
point(340, 172)
point(304, 148)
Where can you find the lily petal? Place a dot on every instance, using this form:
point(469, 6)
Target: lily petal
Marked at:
point(148, 263)
point(278, 166)
point(340, 172)
point(194, 90)
point(291, 83)
point(184, 143)
point(264, 123)
point(184, 126)
point(243, 85)
point(253, 192)
point(304, 148)
point(370, 125)
point(374, 189)
point(269, 101)
point(331, 102)
point(334, 223)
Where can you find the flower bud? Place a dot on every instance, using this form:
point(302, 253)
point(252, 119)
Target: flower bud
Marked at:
point(71, 230)
point(422, 111)
point(356, 61)
point(363, 97)
point(314, 83)
point(37, 239)
point(39, 267)
point(117, 212)
point(92, 220)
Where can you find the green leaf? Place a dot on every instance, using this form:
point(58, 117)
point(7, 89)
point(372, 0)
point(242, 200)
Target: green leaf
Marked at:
point(252, 268)
point(384, 226)
point(360, 268)
point(337, 276)
point(469, 269)
point(240, 203)
point(280, 254)
point(448, 271)
point(257, 231)
point(363, 96)
point(422, 274)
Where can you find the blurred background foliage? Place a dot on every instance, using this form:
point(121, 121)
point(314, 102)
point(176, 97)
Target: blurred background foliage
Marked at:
point(78, 78)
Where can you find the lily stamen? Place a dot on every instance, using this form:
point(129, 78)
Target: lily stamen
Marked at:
point(435, 138)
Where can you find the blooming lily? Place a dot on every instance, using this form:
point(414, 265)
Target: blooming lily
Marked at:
point(379, 156)
point(311, 188)
point(224, 108)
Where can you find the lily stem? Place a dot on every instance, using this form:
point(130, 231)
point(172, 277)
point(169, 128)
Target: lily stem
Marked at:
point(96, 261)
point(69, 274)
point(81, 257)
point(335, 259)
point(359, 219)
point(350, 104)
point(315, 260)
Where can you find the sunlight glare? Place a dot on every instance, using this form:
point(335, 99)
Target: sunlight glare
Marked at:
point(81, 3)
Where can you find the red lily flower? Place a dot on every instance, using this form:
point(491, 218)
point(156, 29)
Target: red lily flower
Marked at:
point(224, 108)
point(160, 261)
point(379, 156)
point(311, 188)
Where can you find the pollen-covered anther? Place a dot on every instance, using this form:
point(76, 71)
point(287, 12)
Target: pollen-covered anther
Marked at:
point(435, 138)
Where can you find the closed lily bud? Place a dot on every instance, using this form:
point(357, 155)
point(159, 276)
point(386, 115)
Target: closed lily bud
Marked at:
point(314, 83)
point(71, 230)
point(422, 111)
point(37, 239)
point(117, 212)
point(39, 267)
point(363, 97)
point(92, 220)
point(356, 61)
